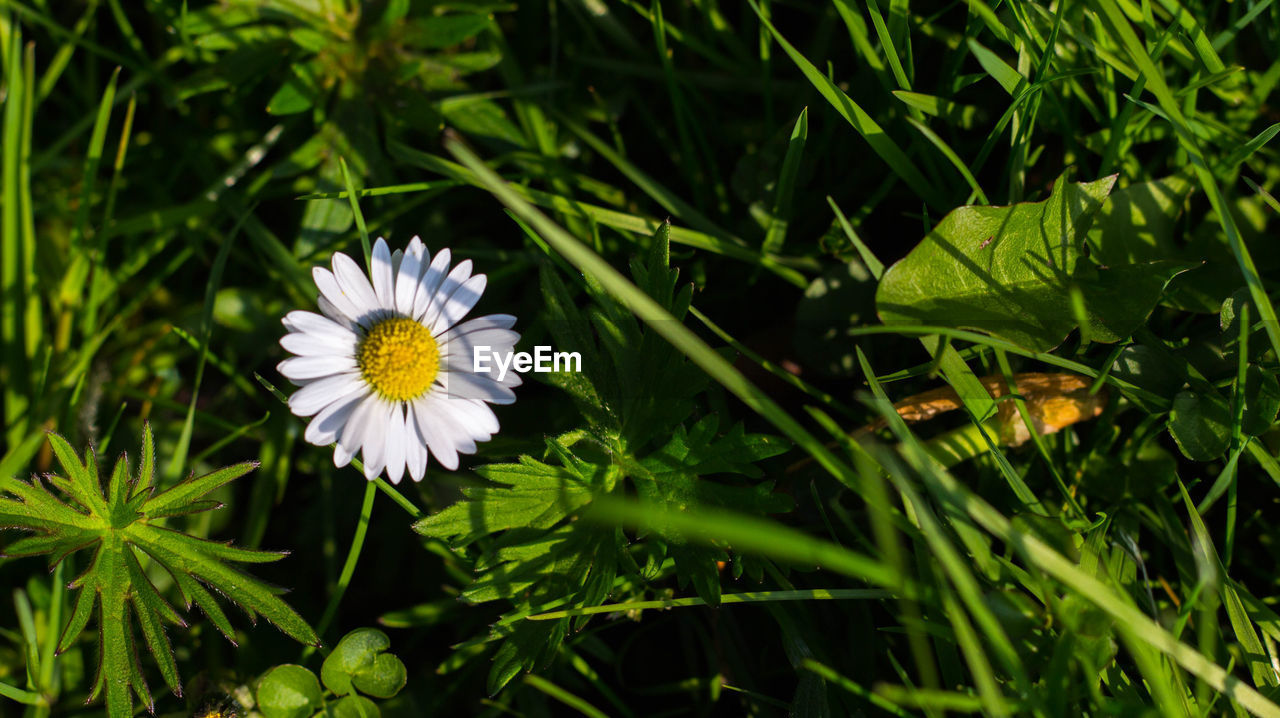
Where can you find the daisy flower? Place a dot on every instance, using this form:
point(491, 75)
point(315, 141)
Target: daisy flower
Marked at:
point(387, 371)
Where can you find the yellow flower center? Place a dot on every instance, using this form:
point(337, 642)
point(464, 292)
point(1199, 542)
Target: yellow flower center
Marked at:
point(399, 358)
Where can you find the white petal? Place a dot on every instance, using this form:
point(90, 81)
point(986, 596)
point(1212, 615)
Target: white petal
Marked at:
point(415, 448)
point(354, 284)
point(461, 301)
point(324, 428)
point(352, 434)
point(304, 344)
point(312, 323)
point(316, 367)
point(374, 453)
point(480, 418)
point(430, 282)
point(455, 278)
point(431, 427)
point(462, 429)
point(466, 385)
point(497, 321)
point(332, 291)
point(396, 258)
point(341, 457)
point(498, 341)
point(383, 275)
point(407, 280)
point(318, 394)
point(396, 444)
point(334, 314)
point(416, 245)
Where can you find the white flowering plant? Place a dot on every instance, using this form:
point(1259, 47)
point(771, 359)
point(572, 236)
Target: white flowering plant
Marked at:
point(626, 358)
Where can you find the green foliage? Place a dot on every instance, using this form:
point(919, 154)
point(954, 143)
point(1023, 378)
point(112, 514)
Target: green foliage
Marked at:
point(288, 691)
point(360, 662)
point(170, 172)
point(122, 525)
point(1015, 271)
point(633, 383)
point(1201, 424)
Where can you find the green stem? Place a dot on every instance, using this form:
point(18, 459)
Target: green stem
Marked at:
point(21, 696)
point(348, 568)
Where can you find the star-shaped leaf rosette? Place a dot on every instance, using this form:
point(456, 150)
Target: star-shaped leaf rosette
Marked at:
point(386, 370)
point(124, 528)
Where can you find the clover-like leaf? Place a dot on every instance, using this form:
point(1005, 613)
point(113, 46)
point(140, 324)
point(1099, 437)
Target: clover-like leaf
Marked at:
point(289, 691)
point(124, 529)
point(360, 662)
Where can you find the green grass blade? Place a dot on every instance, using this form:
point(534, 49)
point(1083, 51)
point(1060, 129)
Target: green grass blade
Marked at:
point(355, 209)
point(650, 312)
point(897, 160)
point(1118, 26)
point(786, 187)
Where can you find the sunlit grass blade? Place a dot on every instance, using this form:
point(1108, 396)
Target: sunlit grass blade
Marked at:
point(1036, 552)
point(731, 247)
point(786, 186)
point(650, 312)
point(1118, 26)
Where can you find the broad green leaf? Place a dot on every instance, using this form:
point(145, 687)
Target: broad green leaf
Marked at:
point(1200, 424)
point(1137, 223)
point(289, 691)
point(1154, 369)
point(1118, 299)
point(1005, 270)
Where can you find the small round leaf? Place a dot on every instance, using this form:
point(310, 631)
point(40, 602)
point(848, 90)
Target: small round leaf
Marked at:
point(288, 691)
point(1200, 424)
point(384, 679)
point(355, 707)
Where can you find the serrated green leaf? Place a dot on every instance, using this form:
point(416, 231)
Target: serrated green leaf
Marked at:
point(121, 528)
point(183, 494)
point(535, 495)
point(79, 619)
point(523, 650)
